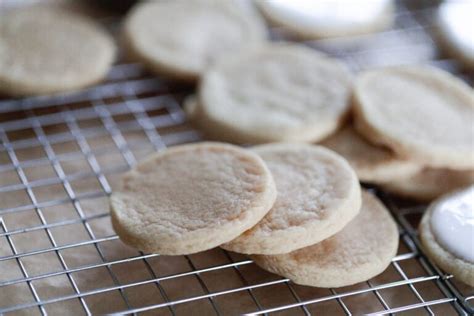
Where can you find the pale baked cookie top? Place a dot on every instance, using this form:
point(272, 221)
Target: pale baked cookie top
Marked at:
point(371, 163)
point(422, 113)
point(317, 195)
point(191, 198)
point(360, 251)
point(280, 92)
point(183, 38)
point(47, 50)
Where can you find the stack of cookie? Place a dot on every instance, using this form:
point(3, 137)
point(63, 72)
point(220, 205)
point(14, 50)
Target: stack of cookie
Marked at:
point(412, 126)
point(424, 117)
point(296, 208)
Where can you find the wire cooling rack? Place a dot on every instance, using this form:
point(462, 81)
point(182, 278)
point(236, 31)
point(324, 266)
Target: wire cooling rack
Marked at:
point(60, 157)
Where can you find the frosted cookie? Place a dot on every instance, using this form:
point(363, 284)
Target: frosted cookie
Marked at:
point(318, 194)
point(453, 19)
point(447, 234)
point(280, 92)
point(371, 163)
point(191, 198)
point(322, 19)
point(422, 113)
point(428, 184)
point(183, 38)
point(49, 50)
point(361, 250)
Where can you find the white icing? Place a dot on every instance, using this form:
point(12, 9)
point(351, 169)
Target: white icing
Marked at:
point(335, 14)
point(452, 223)
point(456, 20)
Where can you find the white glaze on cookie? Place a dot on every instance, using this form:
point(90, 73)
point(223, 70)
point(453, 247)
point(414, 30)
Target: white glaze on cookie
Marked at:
point(453, 19)
point(452, 223)
point(311, 18)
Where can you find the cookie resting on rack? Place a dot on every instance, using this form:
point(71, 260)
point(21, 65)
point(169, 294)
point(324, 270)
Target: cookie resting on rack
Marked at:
point(420, 112)
point(318, 193)
point(278, 92)
point(182, 38)
point(360, 251)
point(191, 198)
point(447, 234)
point(47, 50)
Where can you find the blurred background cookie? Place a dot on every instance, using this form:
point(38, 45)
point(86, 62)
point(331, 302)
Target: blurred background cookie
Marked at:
point(182, 39)
point(421, 113)
point(278, 92)
point(323, 19)
point(48, 50)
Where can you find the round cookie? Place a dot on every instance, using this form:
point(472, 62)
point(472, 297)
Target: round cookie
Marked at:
point(48, 50)
point(422, 113)
point(428, 184)
point(324, 19)
point(435, 245)
point(361, 250)
point(280, 92)
point(317, 195)
point(183, 38)
point(371, 163)
point(452, 31)
point(191, 198)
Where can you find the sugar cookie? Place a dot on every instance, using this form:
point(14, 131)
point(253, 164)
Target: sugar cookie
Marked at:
point(447, 234)
point(422, 113)
point(322, 19)
point(280, 92)
point(192, 198)
point(317, 195)
point(452, 19)
point(48, 50)
point(183, 38)
point(371, 163)
point(360, 251)
point(428, 184)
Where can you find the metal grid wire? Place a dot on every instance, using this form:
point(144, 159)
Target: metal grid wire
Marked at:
point(99, 127)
